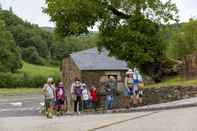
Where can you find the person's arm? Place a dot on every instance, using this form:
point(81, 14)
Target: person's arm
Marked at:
point(44, 91)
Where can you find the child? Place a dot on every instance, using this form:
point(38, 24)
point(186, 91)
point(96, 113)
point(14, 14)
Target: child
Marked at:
point(86, 96)
point(60, 98)
point(93, 95)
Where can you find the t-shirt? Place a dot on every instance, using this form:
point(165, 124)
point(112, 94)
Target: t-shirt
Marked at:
point(60, 93)
point(49, 91)
point(85, 94)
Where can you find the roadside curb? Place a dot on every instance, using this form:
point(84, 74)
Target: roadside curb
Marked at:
point(157, 107)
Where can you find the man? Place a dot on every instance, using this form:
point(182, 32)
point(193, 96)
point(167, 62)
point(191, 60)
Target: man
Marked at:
point(110, 88)
point(49, 95)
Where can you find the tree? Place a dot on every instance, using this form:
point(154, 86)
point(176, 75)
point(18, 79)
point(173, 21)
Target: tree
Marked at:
point(184, 40)
point(10, 59)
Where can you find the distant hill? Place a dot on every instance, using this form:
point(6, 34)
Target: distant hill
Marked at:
point(49, 29)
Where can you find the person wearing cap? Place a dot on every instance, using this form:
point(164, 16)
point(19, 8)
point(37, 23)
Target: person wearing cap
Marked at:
point(86, 96)
point(76, 92)
point(49, 96)
point(60, 98)
point(129, 85)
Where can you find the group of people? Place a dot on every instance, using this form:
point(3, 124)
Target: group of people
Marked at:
point(85, 98)
point(54, 98)
point(134, 86)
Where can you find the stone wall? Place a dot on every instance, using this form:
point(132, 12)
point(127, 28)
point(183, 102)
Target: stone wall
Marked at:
point(155, 96)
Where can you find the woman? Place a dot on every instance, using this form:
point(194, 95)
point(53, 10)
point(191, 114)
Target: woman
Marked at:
point(129, 85)
point(49, 95)
point(60, 98)
point(137, 82)
point(76, 91)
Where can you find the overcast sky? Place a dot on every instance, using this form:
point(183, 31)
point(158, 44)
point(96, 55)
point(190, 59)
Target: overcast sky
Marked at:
point(31, 10)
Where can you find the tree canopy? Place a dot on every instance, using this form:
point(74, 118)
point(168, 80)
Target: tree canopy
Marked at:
point(129, 29)
point(10, 59)
point(184, 40)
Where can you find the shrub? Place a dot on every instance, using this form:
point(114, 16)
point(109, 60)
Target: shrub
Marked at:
point(10, 80)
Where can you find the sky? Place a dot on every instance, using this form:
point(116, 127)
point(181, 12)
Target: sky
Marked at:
point(31, 10)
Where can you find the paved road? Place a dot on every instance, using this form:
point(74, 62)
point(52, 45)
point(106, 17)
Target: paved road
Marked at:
point(169, 120)
point(24, 105)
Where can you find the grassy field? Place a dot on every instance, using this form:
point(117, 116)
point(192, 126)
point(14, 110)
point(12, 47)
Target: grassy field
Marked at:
point(176, 81)
point(35, 70)
point(19, 91)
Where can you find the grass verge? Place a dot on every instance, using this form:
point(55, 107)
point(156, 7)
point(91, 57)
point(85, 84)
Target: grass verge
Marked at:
point(19, 91)
point(176, 81)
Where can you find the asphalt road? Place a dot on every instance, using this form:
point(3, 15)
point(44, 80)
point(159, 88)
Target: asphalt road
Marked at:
point(24, 105)
point(168, 120)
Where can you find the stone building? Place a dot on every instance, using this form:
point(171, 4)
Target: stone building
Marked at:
point(93, 68)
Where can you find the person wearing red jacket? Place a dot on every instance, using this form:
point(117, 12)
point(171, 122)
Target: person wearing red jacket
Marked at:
point(93, 95)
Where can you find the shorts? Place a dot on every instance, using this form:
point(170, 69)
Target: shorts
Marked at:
point(140, 93)
point(60, 102)
point(49, 103)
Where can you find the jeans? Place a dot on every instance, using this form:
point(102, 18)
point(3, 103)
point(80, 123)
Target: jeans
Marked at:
point(78, 104)
point(86, 103)
point(109, 100)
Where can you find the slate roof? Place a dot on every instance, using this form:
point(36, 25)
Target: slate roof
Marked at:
point(92, 59)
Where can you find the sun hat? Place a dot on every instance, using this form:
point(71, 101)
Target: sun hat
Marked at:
point(130, 71)
point(50, 79)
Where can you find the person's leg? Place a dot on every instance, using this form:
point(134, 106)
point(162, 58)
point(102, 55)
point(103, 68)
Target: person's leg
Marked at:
point(50, 110)
point(80, 104)
point(84, 105)
point(107, 102)
point(75, 105)
point(94, 106)
point(110, 102)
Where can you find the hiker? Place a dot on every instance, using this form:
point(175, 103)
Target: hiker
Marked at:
point(110, 87)
point(137, 79)
point(93, 95)
point(86, 96)
point(49, 95)
point(60, 99)
point(76, 91)
point(129, 85)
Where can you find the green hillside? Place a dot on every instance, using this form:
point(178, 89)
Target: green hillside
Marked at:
point(35, 70)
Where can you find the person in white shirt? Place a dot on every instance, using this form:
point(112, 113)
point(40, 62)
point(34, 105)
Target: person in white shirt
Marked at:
point(86, 96)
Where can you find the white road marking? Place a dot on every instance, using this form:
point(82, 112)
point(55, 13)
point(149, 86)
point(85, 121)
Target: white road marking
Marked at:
point(21, 109)
point(22, 99)
point(16, 103)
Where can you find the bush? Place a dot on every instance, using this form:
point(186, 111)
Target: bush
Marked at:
point(23, 80)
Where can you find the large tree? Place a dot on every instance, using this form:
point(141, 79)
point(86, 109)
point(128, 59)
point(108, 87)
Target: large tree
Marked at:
point(129, 29)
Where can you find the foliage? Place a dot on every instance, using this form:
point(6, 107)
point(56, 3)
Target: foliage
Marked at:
point(71, 44)
point(183, 41)
point(130, 30)
point(29, 76)
point(27, 35)
point(10, 59)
